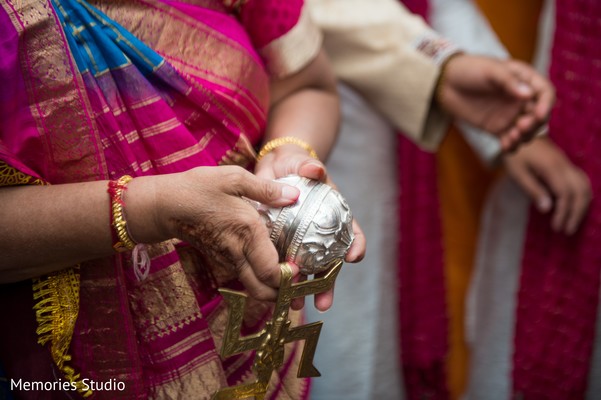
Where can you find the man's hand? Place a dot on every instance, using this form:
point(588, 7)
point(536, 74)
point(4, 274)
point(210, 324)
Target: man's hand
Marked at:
point(552, 182)
point(506, 98)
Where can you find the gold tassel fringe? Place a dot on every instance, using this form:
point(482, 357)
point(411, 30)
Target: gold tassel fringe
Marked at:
point(56, 310)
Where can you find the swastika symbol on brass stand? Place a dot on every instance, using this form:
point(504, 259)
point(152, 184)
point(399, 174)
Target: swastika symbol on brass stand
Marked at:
point(269, 342)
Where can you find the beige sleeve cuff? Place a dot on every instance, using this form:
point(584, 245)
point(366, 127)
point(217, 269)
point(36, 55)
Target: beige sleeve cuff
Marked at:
point(294, 50)
point(382, 51)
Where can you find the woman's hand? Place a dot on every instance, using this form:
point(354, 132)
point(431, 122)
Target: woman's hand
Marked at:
point(305, 105)
point(552, 182)
point(205, 207)
point(291, 159)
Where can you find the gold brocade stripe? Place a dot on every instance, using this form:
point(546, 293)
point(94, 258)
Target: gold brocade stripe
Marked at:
point(182, 347)
point(56, 297)
point(165, 303)
point(194, 50)
point(242, 154)
point(198, 382)
point(160, 127)
point(187, 152)
point(210, 4)
point(65, 127)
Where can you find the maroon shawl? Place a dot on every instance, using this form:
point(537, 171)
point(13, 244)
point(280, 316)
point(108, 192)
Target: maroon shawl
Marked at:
point(559, 287)
point(423, 309)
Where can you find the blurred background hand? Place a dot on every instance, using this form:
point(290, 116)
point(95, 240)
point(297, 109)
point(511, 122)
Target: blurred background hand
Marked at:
point(552, 181)
point(506, 98)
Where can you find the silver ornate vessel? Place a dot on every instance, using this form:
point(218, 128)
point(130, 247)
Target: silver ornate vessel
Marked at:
point(314, 231)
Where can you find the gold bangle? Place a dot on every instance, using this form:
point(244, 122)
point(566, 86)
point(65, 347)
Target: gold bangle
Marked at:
point(116, 188)
point(277, 142)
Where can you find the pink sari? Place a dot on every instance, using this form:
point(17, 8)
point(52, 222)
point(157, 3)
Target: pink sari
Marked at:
point(86, 100)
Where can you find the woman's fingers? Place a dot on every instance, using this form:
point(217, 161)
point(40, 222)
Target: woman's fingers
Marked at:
point(243, 183)
point(254, 285)
point(358, 248)
point(323, 301)
point(261, 257)
point(279, 165)
point(254, 273)
point(313, 169)
point(299, 302)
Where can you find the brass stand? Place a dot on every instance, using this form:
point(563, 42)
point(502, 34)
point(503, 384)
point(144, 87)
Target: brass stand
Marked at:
point(269, 343)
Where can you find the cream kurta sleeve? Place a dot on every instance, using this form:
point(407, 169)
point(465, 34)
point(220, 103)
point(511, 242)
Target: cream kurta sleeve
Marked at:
point(391, 57)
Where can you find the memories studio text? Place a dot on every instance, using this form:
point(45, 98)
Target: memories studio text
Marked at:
point(61, 385)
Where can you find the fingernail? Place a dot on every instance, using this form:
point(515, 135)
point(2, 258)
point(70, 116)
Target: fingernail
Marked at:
point(316, 163)
point(352, 256)
point(544, 204)
point(290, 192)
point(319, 166)
point(524, 88)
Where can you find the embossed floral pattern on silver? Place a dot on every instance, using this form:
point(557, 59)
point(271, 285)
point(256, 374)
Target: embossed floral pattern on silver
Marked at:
point(314, 231)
